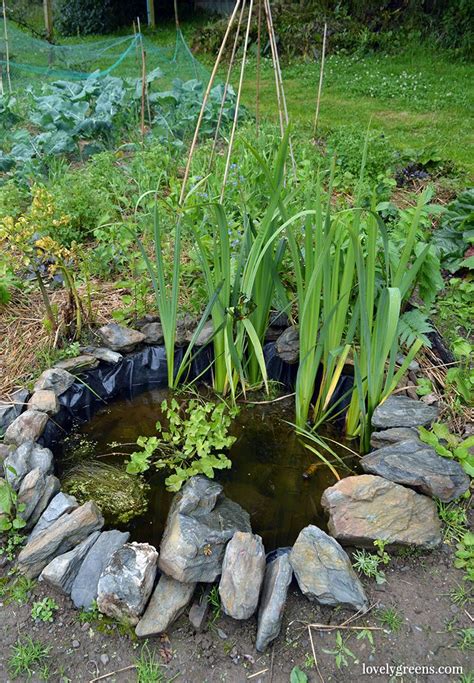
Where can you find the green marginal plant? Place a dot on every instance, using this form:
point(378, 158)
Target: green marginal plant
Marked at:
point(193, 441)
point(320, 447)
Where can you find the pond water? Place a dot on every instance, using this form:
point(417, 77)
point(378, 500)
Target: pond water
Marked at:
point(269, 474)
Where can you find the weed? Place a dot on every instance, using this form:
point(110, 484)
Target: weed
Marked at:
point(309, 662)
point(460, 595)
point(454, 518)
point(20, 590)
point(390, 618)
point(11, 545)
point(341, 652)
point(148, 667)
point(43, 610)
point(465, 555)
point(369, 563)
point(465, 639)
point(366, 634)
point(27, 655)
point(298, 676)
point(214, 601)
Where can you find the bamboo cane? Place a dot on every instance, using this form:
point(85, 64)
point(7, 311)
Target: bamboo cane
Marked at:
point(7, 48)
point(176, 16)
point(237, 104)
point(259, 46)
point(204, 101)
point(226, 85)
point(321, 74)
point(142, 111)
point(280, 80)
point(277, 84)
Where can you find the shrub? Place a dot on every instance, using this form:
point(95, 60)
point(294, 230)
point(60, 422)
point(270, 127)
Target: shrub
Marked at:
point(94, 16)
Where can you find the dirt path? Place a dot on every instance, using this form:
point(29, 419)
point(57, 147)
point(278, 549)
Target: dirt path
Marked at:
point(419, 589)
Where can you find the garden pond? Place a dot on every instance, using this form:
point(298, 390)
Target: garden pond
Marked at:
point(273, 475)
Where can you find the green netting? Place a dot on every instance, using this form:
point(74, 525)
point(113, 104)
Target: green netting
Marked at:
point(37, 61)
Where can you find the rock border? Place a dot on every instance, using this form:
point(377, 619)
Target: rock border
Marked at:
point(68, 549)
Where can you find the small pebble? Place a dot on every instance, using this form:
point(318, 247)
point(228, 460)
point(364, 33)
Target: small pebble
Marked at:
point(76, 644)
point(222, 634)
point(104, 659)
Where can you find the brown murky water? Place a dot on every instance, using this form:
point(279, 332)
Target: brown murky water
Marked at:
point(266, 478)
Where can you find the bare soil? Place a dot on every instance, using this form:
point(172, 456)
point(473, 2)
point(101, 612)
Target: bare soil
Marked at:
point(419, 588)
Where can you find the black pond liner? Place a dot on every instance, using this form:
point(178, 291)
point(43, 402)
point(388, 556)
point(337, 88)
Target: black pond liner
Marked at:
point(145, 370)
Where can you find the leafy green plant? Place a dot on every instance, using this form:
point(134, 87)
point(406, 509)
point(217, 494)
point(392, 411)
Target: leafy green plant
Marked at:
point(369, 563)
point(454, 518)
point(465, 555)
point(449, 445)
point(10, 512)
point(341, 652)
point(298, 676)
point(192, 442)
point(43, 610)
point(456, 231)
point(215, 604)
point(28, 656)
point(20, 590)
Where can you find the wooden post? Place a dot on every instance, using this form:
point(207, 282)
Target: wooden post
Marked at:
point(259, 48)
point(48, 18)
point(150, 9)
point(176, 15)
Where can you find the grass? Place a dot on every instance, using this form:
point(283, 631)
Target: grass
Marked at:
point(391, 619)
point(147, 667)
point(29, 657)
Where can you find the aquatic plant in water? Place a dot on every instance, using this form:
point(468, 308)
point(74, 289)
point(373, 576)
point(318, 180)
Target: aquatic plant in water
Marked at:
point(119, 495)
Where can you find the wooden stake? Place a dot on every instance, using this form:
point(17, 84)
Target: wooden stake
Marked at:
point(321, 74)
point(277, 83)
point(237, 104)
point(176, 15)
point(7, 48)
point(144, 83)
point(204, 101)
point(226, 85)
point(150, 7)
point(259, 45)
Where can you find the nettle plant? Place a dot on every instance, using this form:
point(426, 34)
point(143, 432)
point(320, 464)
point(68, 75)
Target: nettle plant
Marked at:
point(10, 508)
point(194, 441)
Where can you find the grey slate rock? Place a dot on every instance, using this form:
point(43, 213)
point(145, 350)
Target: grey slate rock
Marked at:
point(5, 452)
point(25, 458)
point(45, 401)
point(242, 575)
point(120, 338)
point(11, 410)
point(206, 334)
point(287, 345)
point(56, 379)
point(28, 426)
point(387, 437)
point(200, 609)
point(277, 579)
point(84, 588)
point(153, 333)
point(31, 491)
point(63, 535)
point(127, 581)
point(415, 464)
point(401, 411)
point(324, 572)
point(78, 363)
point(61, 504)
point(169, 600)
point(62, 570)
point(200, 523)
point(103, 354)
point(51, 487)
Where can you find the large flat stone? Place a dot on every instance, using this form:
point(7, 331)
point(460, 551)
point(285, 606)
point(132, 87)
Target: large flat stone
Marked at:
point(276, 581)
point(56, 379)
point(200, 523)
point(324, 571)
point(28, 426)
point(84, 588)
point(120, 338)
point(169, 600)
point(127, 581)
point(401, 411)
point(10, 410)
point(153, 333)
point(103, 354)
point(61, 504)
point(242, 575)
point(63, 535)
point(62, 570)
point(387, 437)
point(35, 492)
point(78, 363)
point(25, 458)
point(414, 464)
point(45, 401)
point(365, 508)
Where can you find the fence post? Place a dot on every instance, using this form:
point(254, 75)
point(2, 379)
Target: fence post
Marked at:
point(48, 18)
